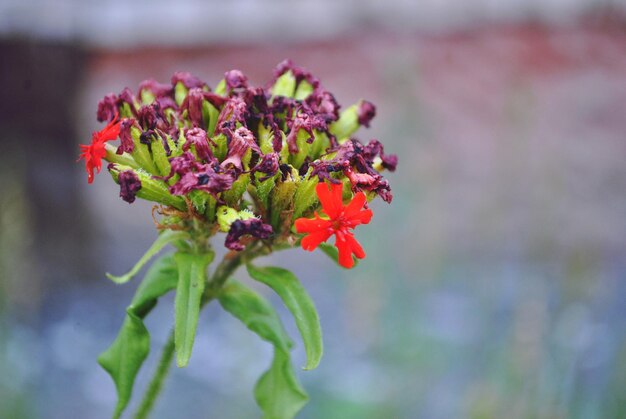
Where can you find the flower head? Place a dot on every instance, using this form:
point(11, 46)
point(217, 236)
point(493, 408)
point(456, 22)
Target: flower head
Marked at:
point(95, 152)
point(339, 220)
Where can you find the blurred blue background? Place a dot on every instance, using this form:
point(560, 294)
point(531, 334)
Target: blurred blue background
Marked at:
point(495, 283)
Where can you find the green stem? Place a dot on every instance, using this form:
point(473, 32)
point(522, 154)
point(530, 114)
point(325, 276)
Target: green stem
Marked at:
point(223, 271)
point(156, 384)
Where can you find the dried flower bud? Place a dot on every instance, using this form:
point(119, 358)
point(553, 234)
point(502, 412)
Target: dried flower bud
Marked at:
point(129, 185)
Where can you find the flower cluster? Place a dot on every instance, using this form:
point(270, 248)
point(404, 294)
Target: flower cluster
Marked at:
point(252, 162)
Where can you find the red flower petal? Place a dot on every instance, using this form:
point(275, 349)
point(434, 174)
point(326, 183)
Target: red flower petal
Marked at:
point(305, 225)
point(330, 198)
point(313, 240)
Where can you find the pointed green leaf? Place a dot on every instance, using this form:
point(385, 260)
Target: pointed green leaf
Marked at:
point(191, 281)
point(256, 313)
point(129, 350)
point(164, 238)
point(332, 252)
point(297, 300)
point(278, 392)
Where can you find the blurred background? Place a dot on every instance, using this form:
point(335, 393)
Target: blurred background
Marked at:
point(495, 283)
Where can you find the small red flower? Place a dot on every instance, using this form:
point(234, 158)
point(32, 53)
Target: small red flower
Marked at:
point(94, 152)
point(341, 219)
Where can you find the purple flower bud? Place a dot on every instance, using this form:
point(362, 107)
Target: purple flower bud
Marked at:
point(268, 165)
point(126, 140)
point(107, 108)
point(253, 227)
point(298, 72)
point(375, 148)
point(199, 139)
point(187, 79)
point(241, 141)
point(366, 112)
point(198, 176)
point(356, 161)
point(305, 121)
point(235, 110)
point(324, 104)
point(129, 185)
point(193, 104)
point(156, 88)
point(235, 79)
point(126, 96)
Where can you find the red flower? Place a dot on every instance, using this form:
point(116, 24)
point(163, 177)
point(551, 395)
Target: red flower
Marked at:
point(341, 219)
point(94, 152)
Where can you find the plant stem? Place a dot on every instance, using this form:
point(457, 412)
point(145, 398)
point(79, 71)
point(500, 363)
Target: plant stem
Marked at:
point(156, 384)
point(224, 270)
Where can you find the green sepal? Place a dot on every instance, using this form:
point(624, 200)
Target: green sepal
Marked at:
point(164, 238)
point(147, 97)
point(304, 147)
point(199, 200)
point(236, 191)
point(297, 300)
point(123, 359)
point(160, 157)
point(151, 189)
point(124, 159)
point(305, 196)
point(347, 124)
point(210, 115)
point(303, 91)
point(221, 87)
point(192, 275)
point(266, 138)
point(263, 188)
point(220, 149)
point(141, 152)
point(281, 200)
point(285, 85)
point(180, 93)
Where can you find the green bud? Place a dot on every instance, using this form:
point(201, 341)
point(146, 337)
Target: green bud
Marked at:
point(151, 189)
point(226, 216)
point(346, 125)
point(285, 85)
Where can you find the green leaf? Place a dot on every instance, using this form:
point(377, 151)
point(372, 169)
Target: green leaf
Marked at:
point(256, 313)
point(131, 347)
point(191, 281)
point(332, 252)
point(164, 238)
point(295, 297)
point(278, 392)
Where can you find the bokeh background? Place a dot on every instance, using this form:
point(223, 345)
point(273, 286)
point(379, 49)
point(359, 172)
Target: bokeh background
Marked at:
point(495, 283)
